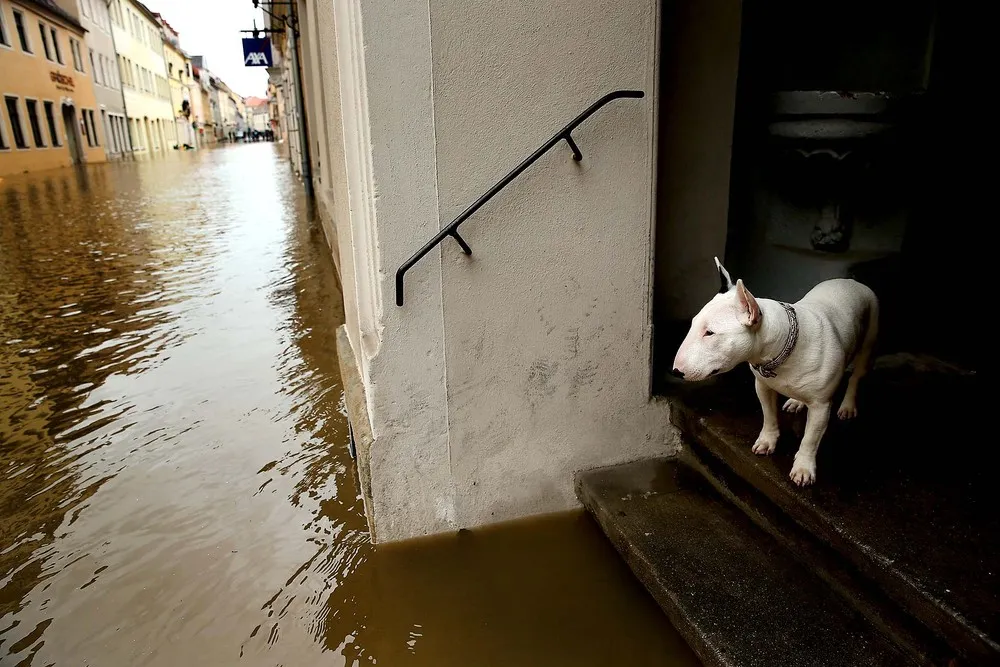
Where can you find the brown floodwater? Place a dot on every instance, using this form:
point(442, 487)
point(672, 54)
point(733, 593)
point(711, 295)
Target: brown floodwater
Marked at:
point(175, 484)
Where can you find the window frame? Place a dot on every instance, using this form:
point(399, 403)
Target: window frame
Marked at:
point(46, 49)
point(93, 68)
point(4, 141)
point(55, 45)
point(23, 34)
point(6, 42)
point(37, 138)
point(77, 55)
point(93, 130)
point(51, 123)
point(19, 128)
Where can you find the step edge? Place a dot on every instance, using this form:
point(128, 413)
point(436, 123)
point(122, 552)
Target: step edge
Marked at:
point(848, 584)
point(944, 621)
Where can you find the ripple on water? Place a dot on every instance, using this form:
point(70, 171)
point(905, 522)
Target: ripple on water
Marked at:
point(174, 480)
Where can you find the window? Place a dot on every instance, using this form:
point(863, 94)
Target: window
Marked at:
point(94, 69)
point(14, 114)
point(4, 39)
point(50, 120)
point(89, 130)
point(4, 142)
point(45, 40)
point(86, 8)
point(55, 46)
point(86, 126)
point(74, 47)
point(22, 33)
point(36, 127)
point(88, 115)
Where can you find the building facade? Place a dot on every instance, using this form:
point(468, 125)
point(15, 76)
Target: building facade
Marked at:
point(484, 369)
point(101, 61)
point(182, 87)
point(275, 107)
point(504, 373)
point(49, 116)
point(258, 114)
point(143, 70)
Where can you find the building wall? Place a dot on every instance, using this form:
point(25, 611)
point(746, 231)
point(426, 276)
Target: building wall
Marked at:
point(260, 119)
point(32, 76)
point(101, 63)
point(137, 37)
point(506, 372)
point(179, 78)
point(697, 109)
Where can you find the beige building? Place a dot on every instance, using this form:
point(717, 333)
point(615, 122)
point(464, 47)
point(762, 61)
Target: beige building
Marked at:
point(141, 61)
point(182, 87)
point(49, 115)
point(485, 381)
point(503, 374)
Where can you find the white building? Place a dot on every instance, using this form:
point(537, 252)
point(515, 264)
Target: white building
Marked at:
point(504, 372)
point(143, 70)
point(101, 61)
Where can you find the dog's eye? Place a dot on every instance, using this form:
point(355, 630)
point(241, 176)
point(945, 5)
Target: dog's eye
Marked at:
point(709, 332)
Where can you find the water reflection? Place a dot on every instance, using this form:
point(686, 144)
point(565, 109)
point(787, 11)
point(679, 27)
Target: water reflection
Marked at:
point(174, 481)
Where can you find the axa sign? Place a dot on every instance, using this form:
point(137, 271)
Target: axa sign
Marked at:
point(257, 51)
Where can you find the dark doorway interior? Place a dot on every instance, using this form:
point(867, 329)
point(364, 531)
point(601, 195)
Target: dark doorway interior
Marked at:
point(72, 134)
point(846, 161)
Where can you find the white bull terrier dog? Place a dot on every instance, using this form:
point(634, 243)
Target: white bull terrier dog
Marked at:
point(799, 350)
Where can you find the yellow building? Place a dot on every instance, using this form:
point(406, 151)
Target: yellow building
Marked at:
point(182, 86)
point(139, 44)
point(47, 114)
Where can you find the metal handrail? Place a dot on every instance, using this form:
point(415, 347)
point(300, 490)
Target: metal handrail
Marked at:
point(452, 228)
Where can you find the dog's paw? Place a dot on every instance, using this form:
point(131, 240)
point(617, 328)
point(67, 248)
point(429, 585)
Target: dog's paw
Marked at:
point(847, 411)
point(803, 473)
point(765, 444)
point(792, 405)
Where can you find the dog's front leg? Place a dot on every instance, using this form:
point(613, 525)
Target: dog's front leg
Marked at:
point(804, 467)
point(768, 437)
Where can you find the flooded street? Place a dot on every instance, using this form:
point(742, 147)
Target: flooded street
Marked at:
point(175, 484)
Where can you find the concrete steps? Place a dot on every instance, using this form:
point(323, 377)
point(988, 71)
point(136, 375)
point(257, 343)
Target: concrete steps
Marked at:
point(737, 596)
point(900, 527)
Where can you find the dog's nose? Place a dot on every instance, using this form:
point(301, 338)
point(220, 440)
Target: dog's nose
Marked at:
point(678, 373)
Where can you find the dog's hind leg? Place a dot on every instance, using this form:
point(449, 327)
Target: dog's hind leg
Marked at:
point(862, 364)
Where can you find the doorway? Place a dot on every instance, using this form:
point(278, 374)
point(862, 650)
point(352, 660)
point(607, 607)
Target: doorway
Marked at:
point(800, 143)
point(72, 129)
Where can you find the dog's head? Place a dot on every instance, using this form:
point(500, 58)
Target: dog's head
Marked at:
point(721, 334)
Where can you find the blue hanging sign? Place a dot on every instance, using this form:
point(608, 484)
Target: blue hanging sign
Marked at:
point(257, 52)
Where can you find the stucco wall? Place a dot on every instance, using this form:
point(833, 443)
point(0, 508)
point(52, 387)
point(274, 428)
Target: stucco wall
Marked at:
point(334, 198)
point(386, 84)
point(547, 328)
point(507, 372)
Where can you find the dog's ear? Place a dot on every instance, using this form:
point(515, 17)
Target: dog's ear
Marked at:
point(726, 283)
point(749, 310)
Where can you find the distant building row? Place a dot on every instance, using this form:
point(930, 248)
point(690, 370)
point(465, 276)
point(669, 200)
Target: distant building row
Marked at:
point(86, 81)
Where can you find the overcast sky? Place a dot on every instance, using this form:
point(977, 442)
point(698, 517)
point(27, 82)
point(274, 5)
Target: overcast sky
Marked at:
point(211, 28)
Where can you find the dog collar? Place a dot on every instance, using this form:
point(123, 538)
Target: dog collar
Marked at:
point(769, 369)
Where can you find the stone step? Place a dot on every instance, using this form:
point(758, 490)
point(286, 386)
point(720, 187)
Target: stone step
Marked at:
point(899, 504)
point(737, 596)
